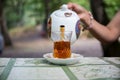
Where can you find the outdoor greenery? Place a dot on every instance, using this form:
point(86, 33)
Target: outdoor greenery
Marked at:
point(112, 6)
point(32, 12)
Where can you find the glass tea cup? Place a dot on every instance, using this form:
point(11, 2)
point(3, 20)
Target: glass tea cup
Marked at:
point(62, 44)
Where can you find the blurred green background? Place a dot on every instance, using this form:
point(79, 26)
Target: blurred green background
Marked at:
point(32, 12)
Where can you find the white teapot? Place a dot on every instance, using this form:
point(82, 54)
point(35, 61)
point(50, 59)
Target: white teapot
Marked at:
point(66, 17)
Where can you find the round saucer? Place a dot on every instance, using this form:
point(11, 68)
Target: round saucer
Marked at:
point(74, 59)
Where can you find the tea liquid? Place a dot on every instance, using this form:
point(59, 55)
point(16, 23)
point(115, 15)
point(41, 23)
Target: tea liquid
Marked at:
point(62, 49)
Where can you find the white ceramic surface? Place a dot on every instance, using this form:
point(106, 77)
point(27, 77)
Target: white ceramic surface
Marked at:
point(71, 22)
point(75, 58)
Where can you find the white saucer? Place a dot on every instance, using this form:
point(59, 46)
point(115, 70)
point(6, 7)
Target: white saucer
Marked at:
point(74, 59)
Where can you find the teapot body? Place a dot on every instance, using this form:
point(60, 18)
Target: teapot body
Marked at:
point(65, 17)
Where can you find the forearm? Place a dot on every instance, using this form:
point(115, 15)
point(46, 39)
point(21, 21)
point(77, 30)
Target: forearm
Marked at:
point(102, 33)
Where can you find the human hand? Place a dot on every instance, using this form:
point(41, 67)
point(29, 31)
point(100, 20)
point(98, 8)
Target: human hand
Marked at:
point(83, 14)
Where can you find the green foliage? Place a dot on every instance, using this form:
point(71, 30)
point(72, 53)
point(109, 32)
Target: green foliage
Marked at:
point(29, 12)
point(14, 11)
point(112, 6)
point(84, 3)
point(55, 4)
point(32, 12)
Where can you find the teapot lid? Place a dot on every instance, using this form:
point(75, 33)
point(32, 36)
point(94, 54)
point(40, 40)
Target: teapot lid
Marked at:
point(65, 12)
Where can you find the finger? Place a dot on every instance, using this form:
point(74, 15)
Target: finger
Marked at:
point(70, 5)
point(75, 7)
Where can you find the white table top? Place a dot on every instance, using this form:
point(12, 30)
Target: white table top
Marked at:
point(89, 68)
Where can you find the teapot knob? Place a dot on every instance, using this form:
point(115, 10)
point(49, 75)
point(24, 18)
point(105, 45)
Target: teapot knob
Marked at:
point(64, 7)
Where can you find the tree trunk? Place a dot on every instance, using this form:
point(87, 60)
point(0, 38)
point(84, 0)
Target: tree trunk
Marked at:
point(47, 9)
point(3, 26)
point(98, 10)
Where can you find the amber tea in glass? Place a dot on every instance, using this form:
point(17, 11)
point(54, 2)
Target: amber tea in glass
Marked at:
point(62, 44)
point(62, 49)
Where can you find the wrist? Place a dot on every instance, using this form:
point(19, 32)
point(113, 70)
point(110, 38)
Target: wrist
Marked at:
point(88, 23)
